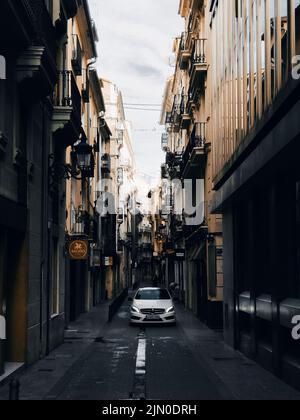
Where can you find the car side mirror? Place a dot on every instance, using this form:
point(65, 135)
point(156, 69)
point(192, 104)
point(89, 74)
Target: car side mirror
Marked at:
point(130, 299)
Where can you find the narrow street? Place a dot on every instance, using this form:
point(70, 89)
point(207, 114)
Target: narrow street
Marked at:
point(110, 369)
point(121, 362)
point(149, 143)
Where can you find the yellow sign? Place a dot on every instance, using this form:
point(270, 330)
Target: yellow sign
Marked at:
point(79, 250)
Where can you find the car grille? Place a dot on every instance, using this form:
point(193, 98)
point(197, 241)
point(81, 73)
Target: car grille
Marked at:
point(152, 311)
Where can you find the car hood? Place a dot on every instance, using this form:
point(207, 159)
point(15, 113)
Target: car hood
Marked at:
point(153, 304)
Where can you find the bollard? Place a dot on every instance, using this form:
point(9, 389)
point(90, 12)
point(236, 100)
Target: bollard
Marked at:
point(14, 390)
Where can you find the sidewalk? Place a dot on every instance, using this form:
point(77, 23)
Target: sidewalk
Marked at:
point(237, 377)
point(38, 380)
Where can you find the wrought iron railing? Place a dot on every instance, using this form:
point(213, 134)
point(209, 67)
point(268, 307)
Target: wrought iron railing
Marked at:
point(80, 222)
point(85, 86)
point(169, 118)
point(106, 163)
point(197, 140)
point(199, 51)
point(184, 104)
point(77, 56)
point(183, 41)
point(176, 109)
point(76, 97)
point(63, 91)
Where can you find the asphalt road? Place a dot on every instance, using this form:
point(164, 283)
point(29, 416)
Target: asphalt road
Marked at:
point(155, 363)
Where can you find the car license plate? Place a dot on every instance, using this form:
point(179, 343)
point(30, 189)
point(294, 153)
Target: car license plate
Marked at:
point(153, 318)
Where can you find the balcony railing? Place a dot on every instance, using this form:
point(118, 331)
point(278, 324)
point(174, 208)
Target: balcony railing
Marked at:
point(185, 112)
point(176, 113)
point(81, 222)
point(183, 41)
point(85, 86)
point(191, 22)
point(197, 142)
point(76, 98)
point(63, 91)
point(199, 52)
point(198, 138)
point(184, 51)
point(183, 104)
point(77, 56)
point(169, 118)
point(164, 171)
point(106, 163)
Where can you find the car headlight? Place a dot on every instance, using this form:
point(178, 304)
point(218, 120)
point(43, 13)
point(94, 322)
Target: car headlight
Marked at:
point(172, 309)
point(135, 309)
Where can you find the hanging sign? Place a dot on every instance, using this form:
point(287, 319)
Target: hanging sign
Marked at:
point(79, 250)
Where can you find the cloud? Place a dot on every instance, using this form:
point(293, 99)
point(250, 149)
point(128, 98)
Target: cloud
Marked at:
point(136, 39)
point(145, 71)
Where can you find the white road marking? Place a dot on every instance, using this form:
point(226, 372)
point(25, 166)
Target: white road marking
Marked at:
point(141, 357)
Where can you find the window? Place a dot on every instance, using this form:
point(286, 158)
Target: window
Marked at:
point(153, 294)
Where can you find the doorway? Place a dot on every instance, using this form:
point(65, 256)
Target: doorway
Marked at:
point(13, 296)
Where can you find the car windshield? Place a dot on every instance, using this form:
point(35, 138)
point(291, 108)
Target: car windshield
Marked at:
point(155, 294)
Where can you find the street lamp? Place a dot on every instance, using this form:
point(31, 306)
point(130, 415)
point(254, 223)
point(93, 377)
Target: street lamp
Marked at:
point(81, 167)
point(84, 156)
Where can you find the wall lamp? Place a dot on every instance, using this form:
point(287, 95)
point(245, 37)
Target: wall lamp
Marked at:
point(81, 167)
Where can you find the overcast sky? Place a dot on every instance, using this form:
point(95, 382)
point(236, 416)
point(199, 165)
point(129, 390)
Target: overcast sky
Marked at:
point(135, 48)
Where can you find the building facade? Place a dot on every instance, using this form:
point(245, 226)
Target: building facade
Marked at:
point(119, 196)
point(194, 243)
point(50, 108)
point(81, 88)
point(255, 127)
point(32, 225)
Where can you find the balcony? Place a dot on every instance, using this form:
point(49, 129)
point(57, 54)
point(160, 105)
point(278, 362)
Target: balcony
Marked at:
point(85, 86)
point(199, 67)
point(66, 119)
point(36, 65)
point(164, 171)
point(77, 56)
point(164, 141)
point(185, 117)
point(174, 161)
point(17, 26)
point(81, 223)
point(175, 117)
point(184, 52)
point(106, 164)
point(194, 156)
point(168, 118)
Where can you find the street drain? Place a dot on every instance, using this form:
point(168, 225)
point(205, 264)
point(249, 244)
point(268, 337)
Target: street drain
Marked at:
point(226, 359)
point(46, 370)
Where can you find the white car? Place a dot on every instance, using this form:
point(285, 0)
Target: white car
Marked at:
point(152, 305)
